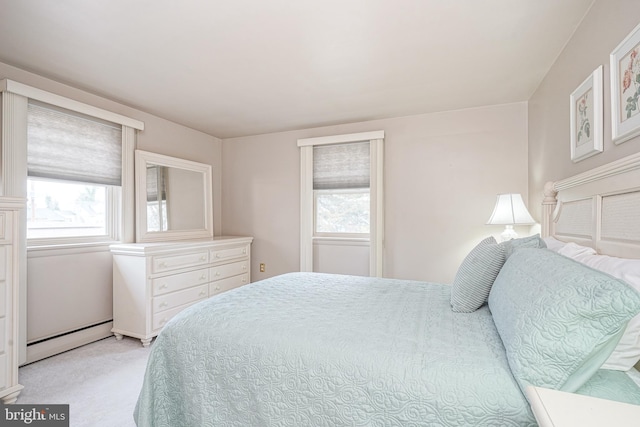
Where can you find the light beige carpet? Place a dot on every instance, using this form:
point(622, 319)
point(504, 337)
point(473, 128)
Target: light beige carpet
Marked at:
point(100, 381)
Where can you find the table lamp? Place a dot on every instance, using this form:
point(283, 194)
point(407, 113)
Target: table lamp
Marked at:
point(509, 211)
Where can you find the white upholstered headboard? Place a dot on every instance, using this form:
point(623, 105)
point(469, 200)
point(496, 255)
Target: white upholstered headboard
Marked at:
point(599, 208)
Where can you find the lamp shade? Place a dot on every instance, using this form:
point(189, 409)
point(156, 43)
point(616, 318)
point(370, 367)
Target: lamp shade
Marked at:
point(510, 210)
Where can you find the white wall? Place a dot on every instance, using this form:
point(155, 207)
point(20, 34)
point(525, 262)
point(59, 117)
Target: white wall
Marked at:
point(442, 174)
point(338, 257)
point(67, 290)
point(603, 28)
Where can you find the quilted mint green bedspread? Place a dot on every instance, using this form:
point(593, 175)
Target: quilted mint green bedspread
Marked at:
point(307, 349)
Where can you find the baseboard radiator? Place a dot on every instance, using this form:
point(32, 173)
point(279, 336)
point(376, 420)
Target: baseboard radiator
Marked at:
point(48, 347)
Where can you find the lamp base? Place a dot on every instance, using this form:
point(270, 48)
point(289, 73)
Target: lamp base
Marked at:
point(508, 233)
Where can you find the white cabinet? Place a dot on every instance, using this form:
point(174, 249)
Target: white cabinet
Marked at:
point(553, 408)
point(152, 282)
point(9, 298)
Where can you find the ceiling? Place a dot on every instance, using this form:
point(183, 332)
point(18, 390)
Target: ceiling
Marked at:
point(243, 67)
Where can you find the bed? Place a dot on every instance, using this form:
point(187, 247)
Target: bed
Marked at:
point(308, 349)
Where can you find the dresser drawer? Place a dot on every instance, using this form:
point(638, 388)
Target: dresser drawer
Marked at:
point(229, 253)
point(173, 262)
point(175, 299)
point(3, 298)
point(176, 282)
point(161, 319)
point(3, 335)
point(3, 371)
point(3, 262)
point(227, 270)
point(5, 228)
point(229, 283)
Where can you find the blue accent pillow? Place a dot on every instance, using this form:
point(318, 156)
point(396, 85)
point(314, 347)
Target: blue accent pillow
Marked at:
point(524, 242)
point(471, 286)
point(559, 320)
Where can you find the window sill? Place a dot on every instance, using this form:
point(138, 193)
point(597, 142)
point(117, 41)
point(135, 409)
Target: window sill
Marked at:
point(347, 241)
point(42, 250)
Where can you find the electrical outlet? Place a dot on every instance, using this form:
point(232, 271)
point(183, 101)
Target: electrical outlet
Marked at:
point(262, 267)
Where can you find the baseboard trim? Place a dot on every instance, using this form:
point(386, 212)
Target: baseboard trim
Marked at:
point(54, 346)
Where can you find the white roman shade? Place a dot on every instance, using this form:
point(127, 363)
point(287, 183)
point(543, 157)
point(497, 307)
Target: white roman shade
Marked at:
point(70, 146)
point(338, 166)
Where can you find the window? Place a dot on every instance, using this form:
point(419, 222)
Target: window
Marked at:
point(341, 195)
point(28, 126)
point(341, 189)
point(74, 168)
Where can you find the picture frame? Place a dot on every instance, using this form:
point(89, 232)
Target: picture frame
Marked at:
point(586, 112)
point(625, 88)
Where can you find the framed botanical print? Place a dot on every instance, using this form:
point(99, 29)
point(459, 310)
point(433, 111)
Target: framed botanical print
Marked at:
point(625, 88)
point(586, 117)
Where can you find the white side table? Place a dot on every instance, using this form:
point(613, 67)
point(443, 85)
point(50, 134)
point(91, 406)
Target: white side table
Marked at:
point(554, 408)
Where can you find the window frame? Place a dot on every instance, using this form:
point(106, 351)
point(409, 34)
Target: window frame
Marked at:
point(15, 98)
point(307, 227)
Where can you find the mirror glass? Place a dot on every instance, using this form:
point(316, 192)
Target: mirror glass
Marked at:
point(169, 190)
point(174, 198)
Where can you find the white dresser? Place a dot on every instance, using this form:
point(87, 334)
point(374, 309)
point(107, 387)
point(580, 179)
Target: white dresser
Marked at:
point(152, 282)
point(9, 298)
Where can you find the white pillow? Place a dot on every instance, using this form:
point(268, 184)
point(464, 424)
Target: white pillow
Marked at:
point(575, 251)
point(553, 243)
point(622, 268)
point(627, 352)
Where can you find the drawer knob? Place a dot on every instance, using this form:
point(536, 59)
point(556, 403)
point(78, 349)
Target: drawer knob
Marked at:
point(217, 273)
point(218, 255)
point(202, 258)
point(163, 286)
point(244, 251)
point(202, 293)
point(164, 304)
point(163, 321)
point(244, 280)
point(244, 267)
point(217, 288)
point(203, 277)
point(162, 265)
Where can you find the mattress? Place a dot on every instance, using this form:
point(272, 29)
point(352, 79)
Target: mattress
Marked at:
point(330, 350)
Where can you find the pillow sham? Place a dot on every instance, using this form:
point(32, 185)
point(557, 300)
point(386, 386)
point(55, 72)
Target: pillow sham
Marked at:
point(559, 320)
point(524, 242)
point(626, 269)
point(627, 352)
point(612, 385)
point(472, 283)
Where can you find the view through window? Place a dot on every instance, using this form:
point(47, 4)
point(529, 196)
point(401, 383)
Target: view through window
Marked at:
point(342, 211)
point(65, 209)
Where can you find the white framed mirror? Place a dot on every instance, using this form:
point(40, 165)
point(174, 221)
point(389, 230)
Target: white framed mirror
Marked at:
point(173, 198)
